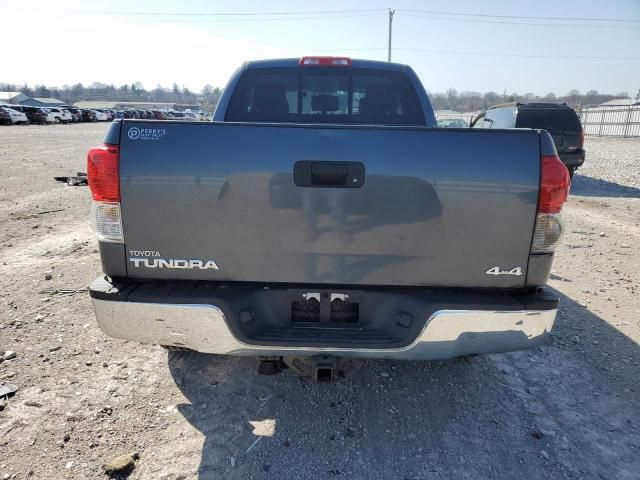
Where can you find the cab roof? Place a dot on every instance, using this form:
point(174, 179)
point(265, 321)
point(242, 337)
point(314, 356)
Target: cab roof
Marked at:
point(355, 63)
point(531, 105)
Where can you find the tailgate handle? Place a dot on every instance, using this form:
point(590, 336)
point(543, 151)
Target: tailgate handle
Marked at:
point(329, 174)
point(308, 173)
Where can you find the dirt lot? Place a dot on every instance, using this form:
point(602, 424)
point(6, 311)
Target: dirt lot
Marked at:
point(570, 409)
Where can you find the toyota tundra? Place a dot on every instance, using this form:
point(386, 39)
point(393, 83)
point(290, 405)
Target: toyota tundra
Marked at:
point(323, 213)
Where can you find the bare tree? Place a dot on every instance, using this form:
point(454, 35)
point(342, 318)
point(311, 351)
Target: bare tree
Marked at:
point(467, 101)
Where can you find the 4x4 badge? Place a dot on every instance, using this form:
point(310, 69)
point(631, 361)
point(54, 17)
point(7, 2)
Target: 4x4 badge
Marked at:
point(497, 271)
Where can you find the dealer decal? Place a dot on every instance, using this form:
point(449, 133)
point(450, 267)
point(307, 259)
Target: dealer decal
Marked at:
point(135, 133)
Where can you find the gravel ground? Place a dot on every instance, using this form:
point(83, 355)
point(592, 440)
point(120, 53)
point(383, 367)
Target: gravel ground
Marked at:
point(611, 169)
point(569, 409)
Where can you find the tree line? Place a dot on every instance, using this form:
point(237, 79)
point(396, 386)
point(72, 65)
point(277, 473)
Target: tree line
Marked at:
point(134, 92)
point(473, 101)
point(466, 101)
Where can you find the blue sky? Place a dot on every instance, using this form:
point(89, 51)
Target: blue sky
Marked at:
point(121, 41)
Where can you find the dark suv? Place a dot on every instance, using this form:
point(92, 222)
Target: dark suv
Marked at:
point(88, 115)
point(560, 120)
point(34, 114)
point(76, 113)
point(5, 118)
point(159, 115)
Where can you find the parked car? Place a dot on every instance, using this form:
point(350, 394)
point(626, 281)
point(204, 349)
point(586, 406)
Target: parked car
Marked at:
point(150, 115)
point(50, 116)
point(101, 116)
point(76, 113)
point(65, 115)
point(134, 113)
point(58, 115)
point(452, 123)
point(88, 115)
point(34, 114)
point(352, 228)
point(159, 115)
point(5, 117)
point(14, 116)
point(180, 116)
point(203, 116)
point(560, 120)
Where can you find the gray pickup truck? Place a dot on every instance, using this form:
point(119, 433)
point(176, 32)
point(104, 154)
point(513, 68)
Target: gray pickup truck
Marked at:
point(322, 213)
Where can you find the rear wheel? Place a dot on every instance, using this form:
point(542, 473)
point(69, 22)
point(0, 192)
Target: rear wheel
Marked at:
point(57, 120)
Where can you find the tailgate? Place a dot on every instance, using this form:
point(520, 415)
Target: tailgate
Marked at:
point(367, 206)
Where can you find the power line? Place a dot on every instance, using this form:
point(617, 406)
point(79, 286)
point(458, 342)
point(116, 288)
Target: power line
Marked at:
point(580, 19)
point(343, 11)
point(252, 20)
point(491, 54)
point(498, 22)
point(187, 19)
point(349, 13)
point(222, 14)
point(259, 20)
point(518, 55)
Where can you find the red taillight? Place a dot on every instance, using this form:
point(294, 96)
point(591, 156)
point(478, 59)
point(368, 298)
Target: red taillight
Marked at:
point(325, 61)
point(554, 184)
point(103, 173)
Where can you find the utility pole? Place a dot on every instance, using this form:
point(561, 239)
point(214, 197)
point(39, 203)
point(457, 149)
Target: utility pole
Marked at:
point(391, 12)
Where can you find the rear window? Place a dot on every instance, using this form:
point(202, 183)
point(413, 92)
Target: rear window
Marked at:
point(548, 119)
point(325, 95)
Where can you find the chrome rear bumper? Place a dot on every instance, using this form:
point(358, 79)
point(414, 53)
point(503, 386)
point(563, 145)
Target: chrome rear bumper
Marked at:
point(446, 334)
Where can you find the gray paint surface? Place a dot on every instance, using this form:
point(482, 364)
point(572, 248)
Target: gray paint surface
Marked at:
point(438, 207)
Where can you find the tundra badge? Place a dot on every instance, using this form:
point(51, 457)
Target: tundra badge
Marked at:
point(138, 259)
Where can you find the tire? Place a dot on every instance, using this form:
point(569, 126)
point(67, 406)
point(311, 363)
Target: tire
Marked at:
point(57, 120)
